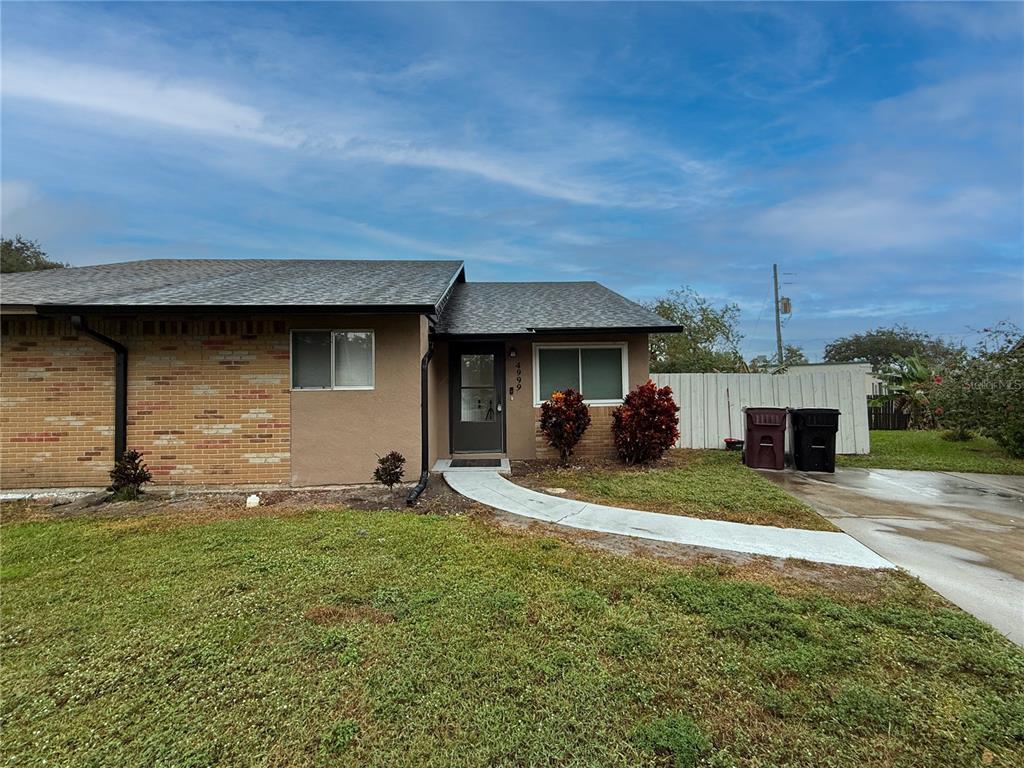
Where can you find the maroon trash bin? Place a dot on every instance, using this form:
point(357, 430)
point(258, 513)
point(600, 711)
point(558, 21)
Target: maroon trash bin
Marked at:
point(765, 443)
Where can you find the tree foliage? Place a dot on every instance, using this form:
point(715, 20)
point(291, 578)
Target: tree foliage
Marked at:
point(710, 338)
point(909, 383)
point(792, 355)
point(883, 347)
point(984, 392)
point(20, 255)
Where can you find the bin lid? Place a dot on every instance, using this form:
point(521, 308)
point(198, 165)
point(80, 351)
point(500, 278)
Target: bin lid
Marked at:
point(765, 417)
point(816, 417)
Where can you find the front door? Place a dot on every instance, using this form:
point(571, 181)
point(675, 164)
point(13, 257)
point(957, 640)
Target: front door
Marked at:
point(477, 405)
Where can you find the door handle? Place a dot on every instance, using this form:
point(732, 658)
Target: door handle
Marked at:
point(499, 407)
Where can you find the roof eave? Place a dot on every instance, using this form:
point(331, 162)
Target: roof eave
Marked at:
point(18, 309)
point(362, 309)
point(445, 335)
point(615, 329)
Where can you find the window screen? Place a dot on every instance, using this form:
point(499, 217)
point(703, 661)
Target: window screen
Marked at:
point(602, 373)
point(332, 359)
point(594, 371)
point(353, 358)
point(559, 370)
point(311, 359)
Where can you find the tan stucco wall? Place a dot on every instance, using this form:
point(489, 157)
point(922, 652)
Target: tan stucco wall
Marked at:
point(438, 398)
point(336, 434)
point(522, 416)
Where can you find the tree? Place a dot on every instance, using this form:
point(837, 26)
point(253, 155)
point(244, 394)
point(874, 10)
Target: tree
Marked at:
point(763, 364)
point(984, 392)
point(21, 255)
point(909, 382)
point(883, 347)
point(793, 355)
point(710, 338)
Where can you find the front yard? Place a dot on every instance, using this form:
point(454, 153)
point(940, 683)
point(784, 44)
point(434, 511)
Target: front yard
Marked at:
point(696, 483)
point(926, 450)
point(336, 637)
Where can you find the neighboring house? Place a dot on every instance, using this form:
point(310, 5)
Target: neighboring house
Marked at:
point(872, 384)
point(297, 371)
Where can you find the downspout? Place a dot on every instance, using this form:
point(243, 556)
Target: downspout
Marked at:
point(78, 322)
point(424, 429)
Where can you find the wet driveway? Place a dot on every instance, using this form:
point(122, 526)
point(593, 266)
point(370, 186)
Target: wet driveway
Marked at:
point(961, 534)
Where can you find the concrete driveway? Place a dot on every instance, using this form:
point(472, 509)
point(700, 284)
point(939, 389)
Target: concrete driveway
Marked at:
point(961, 534)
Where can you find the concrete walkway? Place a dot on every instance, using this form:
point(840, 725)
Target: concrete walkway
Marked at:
point(488, 487)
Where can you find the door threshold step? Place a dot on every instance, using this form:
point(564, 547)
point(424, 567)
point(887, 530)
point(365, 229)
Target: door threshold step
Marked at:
point(500, 466)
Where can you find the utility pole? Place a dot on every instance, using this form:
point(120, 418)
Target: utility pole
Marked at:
point(778, 317)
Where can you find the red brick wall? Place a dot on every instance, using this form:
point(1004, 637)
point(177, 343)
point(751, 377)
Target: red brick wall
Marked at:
point(597, 441)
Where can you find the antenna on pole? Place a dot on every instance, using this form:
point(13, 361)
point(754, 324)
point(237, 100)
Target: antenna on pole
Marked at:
point(778, 316)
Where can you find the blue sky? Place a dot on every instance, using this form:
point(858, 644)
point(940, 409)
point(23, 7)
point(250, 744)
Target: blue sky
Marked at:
point(873, 150)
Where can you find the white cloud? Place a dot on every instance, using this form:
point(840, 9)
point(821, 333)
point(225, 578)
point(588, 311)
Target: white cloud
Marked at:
point(184, 106)
point(27, 211)
point(555, 171)
point(877, 310)
point(16, 196)
point(982, 21)
point(967, 103)
point(877, 215)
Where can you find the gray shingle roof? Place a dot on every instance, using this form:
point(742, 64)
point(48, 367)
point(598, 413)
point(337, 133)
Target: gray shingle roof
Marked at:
point(236, 282)
point(515, 308)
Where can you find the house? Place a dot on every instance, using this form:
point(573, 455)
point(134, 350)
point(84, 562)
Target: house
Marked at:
point(297, 372)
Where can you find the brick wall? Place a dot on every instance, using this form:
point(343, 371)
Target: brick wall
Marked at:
point(208, 401)
point(56, 406)
point(597, 441)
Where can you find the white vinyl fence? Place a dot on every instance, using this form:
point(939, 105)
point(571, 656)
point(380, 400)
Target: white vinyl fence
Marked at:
point(708, 401)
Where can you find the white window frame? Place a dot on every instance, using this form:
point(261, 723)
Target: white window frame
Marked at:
point(334, 332)
point(622, 346)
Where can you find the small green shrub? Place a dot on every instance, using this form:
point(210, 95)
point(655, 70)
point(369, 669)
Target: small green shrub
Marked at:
point(677, 736)
point(564, 419)
point(957, 434)
point(128, 476)
point(390, 469)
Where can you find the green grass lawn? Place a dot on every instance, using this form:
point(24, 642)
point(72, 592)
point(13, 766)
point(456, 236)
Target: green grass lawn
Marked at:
point(926, 450)
point(696, 483)
point(393, 639)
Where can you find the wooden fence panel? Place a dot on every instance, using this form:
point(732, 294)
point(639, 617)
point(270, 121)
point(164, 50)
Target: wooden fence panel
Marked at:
point(886, 415)
point(710, 402)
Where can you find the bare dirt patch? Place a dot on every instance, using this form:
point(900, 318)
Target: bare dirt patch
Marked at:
point(195, 506)
point(326, 615)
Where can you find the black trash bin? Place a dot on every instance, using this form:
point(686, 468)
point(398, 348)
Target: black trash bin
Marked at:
point(765, 444)
point(814, 438)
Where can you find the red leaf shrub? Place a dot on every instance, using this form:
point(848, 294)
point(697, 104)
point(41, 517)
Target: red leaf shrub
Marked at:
point(645, 425)
point(563, 420)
